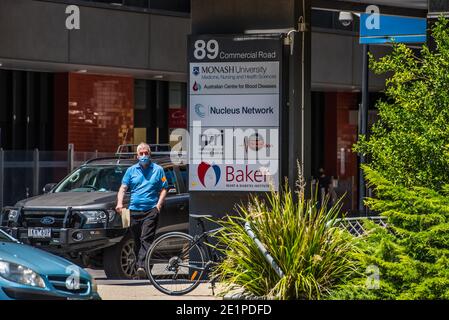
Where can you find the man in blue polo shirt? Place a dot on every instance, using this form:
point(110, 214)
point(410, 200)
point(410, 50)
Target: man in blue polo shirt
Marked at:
point(148, 186)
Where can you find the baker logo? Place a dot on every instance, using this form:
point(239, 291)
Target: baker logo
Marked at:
point(199, 110)
point(196, 71)
point(203, 168)
point(196, 87)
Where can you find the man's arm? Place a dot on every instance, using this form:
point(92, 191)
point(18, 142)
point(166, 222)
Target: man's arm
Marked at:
point(161, 199)
point(120, 196)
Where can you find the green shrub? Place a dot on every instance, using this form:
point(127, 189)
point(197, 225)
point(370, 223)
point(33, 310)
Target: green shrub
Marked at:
point(314, 254)
point(409, 172)
point(412, 254)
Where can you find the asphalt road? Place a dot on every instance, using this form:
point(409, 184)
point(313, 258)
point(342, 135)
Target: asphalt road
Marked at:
point(143, 290)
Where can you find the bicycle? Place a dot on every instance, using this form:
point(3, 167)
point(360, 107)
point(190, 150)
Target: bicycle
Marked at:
point(176, 263)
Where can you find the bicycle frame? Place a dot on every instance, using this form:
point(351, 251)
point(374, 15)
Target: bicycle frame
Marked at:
point(199, 255)
point(202, 240)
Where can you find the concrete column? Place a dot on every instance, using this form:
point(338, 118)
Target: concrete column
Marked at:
point(299, 114)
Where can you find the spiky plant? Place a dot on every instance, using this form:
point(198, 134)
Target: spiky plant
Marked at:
point(301, 235)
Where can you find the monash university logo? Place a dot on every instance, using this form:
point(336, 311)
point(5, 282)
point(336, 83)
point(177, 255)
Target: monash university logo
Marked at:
point(203, 168)
point(196, 71)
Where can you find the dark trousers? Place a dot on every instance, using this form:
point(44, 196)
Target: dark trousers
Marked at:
point(143, 227)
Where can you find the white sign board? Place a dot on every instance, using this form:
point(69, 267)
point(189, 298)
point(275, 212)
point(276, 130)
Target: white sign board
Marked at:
point(232, 110)
point(234, 78)
point(234, 177)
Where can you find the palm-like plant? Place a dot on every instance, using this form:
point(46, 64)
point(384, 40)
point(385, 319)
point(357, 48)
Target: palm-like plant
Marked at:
point(301, 235)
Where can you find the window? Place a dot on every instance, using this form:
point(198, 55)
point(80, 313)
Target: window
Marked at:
point(87, 179)
point(173, 5)
point(166, 5)
point(184, 175)
point(140, 95)
point(128, 3)
point(171, 180)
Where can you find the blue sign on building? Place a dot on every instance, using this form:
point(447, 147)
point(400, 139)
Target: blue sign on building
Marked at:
point(380, 29)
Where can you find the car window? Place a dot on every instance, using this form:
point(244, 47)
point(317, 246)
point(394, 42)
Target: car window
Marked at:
point(184, 175)
point(171, 180)
point(94, 178)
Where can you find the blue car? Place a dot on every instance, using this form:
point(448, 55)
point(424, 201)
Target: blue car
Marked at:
point(29, 273)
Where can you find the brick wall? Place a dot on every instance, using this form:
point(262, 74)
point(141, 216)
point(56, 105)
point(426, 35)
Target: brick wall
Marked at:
point(100, 111)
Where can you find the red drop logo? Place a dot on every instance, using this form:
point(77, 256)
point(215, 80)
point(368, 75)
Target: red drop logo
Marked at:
point(195, 86)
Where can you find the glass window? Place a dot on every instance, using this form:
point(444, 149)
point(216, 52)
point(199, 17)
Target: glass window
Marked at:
point(140, 95)
point(185, 175)
point(129, 3)
point(166, 5)
point(173, 5)
point(136, 3)
point(177, 95)
point(171, 180)
point(87, 179)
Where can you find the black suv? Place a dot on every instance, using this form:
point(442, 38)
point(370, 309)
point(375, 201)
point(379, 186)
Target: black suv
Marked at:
point(76, 218)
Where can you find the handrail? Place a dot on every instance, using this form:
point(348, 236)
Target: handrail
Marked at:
point(263, 250)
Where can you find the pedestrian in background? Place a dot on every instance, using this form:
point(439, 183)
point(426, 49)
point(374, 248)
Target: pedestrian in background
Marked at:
point(324, 185)
point(148, 185)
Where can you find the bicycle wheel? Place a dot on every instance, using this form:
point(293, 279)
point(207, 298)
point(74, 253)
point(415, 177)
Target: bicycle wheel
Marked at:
point(175, 264)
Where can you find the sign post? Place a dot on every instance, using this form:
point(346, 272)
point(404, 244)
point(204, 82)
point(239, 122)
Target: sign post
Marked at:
point(234, 112)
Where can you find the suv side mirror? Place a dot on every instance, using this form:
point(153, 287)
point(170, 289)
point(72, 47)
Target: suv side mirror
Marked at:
point(48, 187)
point(172, 190)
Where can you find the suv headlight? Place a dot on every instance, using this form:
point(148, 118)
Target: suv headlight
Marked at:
point(13, 215)
point(95, 216)
point(20, 274)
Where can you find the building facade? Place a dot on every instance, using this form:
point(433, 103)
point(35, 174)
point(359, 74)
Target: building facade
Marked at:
point(121, 78)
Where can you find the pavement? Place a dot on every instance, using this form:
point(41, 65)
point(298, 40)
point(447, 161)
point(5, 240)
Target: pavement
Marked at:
point(143, 290)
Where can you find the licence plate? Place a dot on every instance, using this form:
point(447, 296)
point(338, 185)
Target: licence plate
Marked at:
point(40, 233)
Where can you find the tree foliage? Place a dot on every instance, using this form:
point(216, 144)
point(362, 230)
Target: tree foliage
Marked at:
point(410, 143)
point(412, 253)
point(409, 172)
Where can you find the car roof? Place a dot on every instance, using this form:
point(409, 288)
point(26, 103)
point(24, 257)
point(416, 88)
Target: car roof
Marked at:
point(163, 161)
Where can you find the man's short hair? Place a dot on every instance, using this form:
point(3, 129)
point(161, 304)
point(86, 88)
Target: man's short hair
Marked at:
point(143, 145)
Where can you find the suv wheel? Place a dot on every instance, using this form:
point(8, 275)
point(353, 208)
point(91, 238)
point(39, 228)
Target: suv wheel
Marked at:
point(119, 261)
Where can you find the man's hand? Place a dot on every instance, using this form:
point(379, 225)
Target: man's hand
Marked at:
point(161, 199)
point(120, 195)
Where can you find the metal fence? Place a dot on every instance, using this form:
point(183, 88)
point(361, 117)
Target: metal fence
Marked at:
point(355, 225)
point(23, 174)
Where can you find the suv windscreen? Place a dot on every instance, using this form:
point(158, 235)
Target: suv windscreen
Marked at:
point(94, 178)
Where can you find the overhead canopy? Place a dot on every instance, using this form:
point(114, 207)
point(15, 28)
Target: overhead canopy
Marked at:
point(392, 29)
